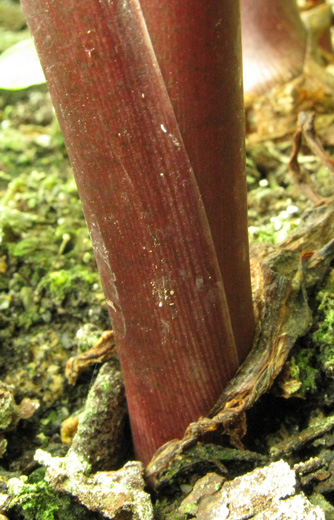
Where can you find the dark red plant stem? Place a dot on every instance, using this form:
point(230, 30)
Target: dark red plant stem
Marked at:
point(198, 47)
point(146, 218)
point(274, 43)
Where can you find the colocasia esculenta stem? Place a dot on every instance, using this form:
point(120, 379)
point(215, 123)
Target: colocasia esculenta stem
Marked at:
point(159, 261)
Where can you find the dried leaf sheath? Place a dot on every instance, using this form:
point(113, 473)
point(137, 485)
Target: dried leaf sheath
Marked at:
point(150, 234)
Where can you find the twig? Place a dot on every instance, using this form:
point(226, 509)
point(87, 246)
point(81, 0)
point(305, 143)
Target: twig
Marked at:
point(306, 120)
point(305, 127)
point(301, 180)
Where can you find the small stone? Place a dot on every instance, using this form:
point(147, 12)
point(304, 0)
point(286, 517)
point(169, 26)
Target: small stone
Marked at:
point(28, 407)
point(68, 429)
point(204, 487)
point(267, 493)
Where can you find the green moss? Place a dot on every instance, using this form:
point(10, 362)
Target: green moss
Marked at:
point(190, 508)
point(277, 229)
point(48, 271)
point(27, 247)
point(303, 372)
point(38, 501)
point(323, 336)
point(167, 509)
point(60, 283)
point(201, 458)
point(13, 223)
point(44, 236)
point(105, 385)
point(312, 360)
point(8, 410)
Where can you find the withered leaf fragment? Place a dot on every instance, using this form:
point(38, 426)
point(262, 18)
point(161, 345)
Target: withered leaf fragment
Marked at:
point(281, 278)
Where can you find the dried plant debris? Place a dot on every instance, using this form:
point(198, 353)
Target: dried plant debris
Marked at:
point(306, 122)
point(300, 439)
point(103, 350)
point(305, 127)
point(309, 372)
point(265, 493)
point(274, 115)
point(200, 458)
point(282, 277)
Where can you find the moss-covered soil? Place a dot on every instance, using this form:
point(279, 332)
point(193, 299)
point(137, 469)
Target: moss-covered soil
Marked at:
point(51, 302)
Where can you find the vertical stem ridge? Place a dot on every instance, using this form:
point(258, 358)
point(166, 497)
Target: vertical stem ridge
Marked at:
point(198, 47)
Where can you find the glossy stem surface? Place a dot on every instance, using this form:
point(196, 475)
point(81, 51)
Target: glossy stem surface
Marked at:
point(145, 214)
point(198, 47)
